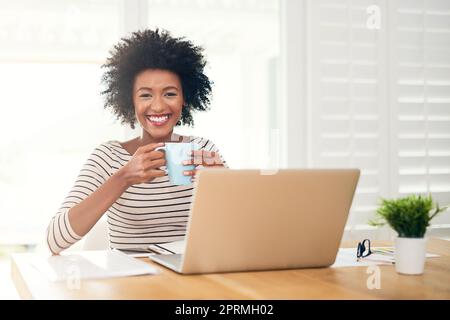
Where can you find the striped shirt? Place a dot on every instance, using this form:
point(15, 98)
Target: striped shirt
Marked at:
point(146, 213)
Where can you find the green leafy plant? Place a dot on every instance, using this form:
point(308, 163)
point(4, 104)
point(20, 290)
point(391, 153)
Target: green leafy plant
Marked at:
point(409, 216)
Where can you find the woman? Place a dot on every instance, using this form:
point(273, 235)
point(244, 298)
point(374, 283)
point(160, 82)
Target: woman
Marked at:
point(156, 80)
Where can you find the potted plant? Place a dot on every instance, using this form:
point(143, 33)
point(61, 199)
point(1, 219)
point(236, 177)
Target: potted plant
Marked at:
point(409, 217)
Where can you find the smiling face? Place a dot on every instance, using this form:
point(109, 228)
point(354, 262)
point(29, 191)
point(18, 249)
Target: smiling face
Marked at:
point(158, 100)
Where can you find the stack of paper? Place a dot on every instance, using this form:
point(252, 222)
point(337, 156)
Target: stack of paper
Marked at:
point(91, 265)
point(176, 247)
point(346, 257)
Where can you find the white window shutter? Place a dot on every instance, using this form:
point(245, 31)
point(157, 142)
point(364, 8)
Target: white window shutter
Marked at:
point(348, 114)
point(379, 99)
point(420, 98)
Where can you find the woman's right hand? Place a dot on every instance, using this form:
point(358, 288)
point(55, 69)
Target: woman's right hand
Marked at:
point(144, 165)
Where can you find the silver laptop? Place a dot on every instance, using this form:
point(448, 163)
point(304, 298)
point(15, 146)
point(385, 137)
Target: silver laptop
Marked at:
point(242, 220)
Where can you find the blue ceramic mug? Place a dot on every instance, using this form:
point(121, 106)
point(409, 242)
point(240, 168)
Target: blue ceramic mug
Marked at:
point(176, 153)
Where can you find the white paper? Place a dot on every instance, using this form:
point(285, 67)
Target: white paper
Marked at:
point(176, 247)
point(90, 265)
point(346, 257)
point(136, 253)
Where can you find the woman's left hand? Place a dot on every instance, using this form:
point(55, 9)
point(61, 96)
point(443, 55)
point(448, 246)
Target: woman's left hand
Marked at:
point(208, 159)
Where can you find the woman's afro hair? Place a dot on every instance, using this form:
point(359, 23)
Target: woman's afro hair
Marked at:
point(157, 49)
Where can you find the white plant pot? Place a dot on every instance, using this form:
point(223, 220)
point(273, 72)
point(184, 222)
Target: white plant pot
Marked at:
point(410, 255)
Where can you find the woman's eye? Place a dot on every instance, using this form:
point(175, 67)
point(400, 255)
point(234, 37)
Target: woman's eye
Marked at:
point(171, 94)
point(145, 95)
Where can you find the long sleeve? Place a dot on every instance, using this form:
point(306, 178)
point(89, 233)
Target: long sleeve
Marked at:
point(95, 171)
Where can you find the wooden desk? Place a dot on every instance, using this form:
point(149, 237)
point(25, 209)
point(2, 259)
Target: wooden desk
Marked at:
point(324, 283)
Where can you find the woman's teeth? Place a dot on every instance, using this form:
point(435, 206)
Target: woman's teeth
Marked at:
point(158, 120)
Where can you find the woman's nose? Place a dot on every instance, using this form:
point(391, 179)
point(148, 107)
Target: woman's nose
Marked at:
point(157, 105)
